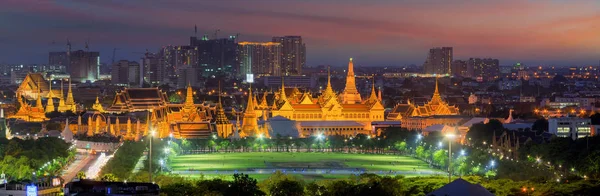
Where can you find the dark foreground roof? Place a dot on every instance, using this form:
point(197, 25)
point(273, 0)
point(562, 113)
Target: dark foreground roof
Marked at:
point(460, 187)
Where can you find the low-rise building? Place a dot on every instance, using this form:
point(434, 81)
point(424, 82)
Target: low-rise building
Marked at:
point(570, 127)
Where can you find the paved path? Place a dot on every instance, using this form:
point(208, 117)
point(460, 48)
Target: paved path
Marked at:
point(309, 172)
point(81, 161)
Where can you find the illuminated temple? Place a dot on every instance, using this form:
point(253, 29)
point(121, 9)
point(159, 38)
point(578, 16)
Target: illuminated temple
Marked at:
point(187, 120)
point(435, 107)
point(33, 88)
point(329, 113)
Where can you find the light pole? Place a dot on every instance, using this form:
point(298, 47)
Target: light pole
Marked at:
point(150, 155)
point(450, 136)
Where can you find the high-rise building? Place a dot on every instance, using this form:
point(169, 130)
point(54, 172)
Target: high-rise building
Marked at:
point(216, 56)
point(484, 68)
point(58, 58)
point(439, 61)
point(125, 73)
point(173, 57)
point(84, 66)
point(459, 68)
point(259, 59)
point(152, 70)
point(188, 75)
point(293, 54)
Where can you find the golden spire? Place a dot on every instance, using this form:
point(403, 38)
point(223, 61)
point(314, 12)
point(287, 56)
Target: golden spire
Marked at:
point(255, 99)
point(282, 96)
point(328, 78)
point(221, 118)
point(50, 103)
point(38, 102)
point(350, 94)
point(61, 100)
point(97, 106)
point(373, 94)
point(189, 98)
point(70, 100)
point(250, 105)
point(263, 101)
point(436, 87)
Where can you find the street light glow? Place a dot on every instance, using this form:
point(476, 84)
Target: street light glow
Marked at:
point(462, 152)
point(320, 136)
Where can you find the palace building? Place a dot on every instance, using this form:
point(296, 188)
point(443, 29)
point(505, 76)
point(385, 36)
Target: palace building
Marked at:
point(435, 107)
point(344, 114)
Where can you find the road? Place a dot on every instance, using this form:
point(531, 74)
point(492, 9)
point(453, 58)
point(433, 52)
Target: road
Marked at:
point(82, 161)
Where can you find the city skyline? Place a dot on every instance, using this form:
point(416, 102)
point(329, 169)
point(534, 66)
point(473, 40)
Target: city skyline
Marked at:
point(375, 34)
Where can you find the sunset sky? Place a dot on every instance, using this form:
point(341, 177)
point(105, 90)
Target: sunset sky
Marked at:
point(375, 33)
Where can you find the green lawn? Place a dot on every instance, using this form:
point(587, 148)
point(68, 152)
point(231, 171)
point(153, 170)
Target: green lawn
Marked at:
point(280, 160)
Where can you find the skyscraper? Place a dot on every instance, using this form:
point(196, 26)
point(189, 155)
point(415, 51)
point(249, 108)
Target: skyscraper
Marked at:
point(58, 58)
point(216, 56)
point(125, 73)
point(293, 54)
point(486, 69)
point(439, 61)
point(152, 70)
point(84, 66)
point(173, 57)
point(259, 58)
point(459, 68)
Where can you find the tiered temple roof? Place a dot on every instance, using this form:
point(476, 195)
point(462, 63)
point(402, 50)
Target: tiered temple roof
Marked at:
point(138, 99)
point(435, 107)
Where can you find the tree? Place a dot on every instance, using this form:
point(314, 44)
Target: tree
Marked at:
point(400, 146)
point(109, 178)
point(175, 98)
point(440, 157)
point(287, 187)
point(81, 175)
point(244, 185)
point(180, 188)
point(595, 119)
point(315, 189)
point(540, 126)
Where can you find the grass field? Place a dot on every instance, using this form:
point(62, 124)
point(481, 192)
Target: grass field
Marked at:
point(280, 161)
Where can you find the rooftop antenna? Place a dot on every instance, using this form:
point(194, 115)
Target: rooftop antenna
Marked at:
point(195, 30)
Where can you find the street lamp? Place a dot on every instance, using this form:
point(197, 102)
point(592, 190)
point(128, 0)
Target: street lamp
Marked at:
point(162, 163)
point(450, 137)
point(150, 154)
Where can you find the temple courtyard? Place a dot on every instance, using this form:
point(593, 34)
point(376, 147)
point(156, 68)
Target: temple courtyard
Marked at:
point(261, 165)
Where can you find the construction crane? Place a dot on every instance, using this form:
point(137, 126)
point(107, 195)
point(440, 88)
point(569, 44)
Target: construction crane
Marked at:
point(114, 55)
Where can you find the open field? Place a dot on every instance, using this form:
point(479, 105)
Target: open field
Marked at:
point(308, 165)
